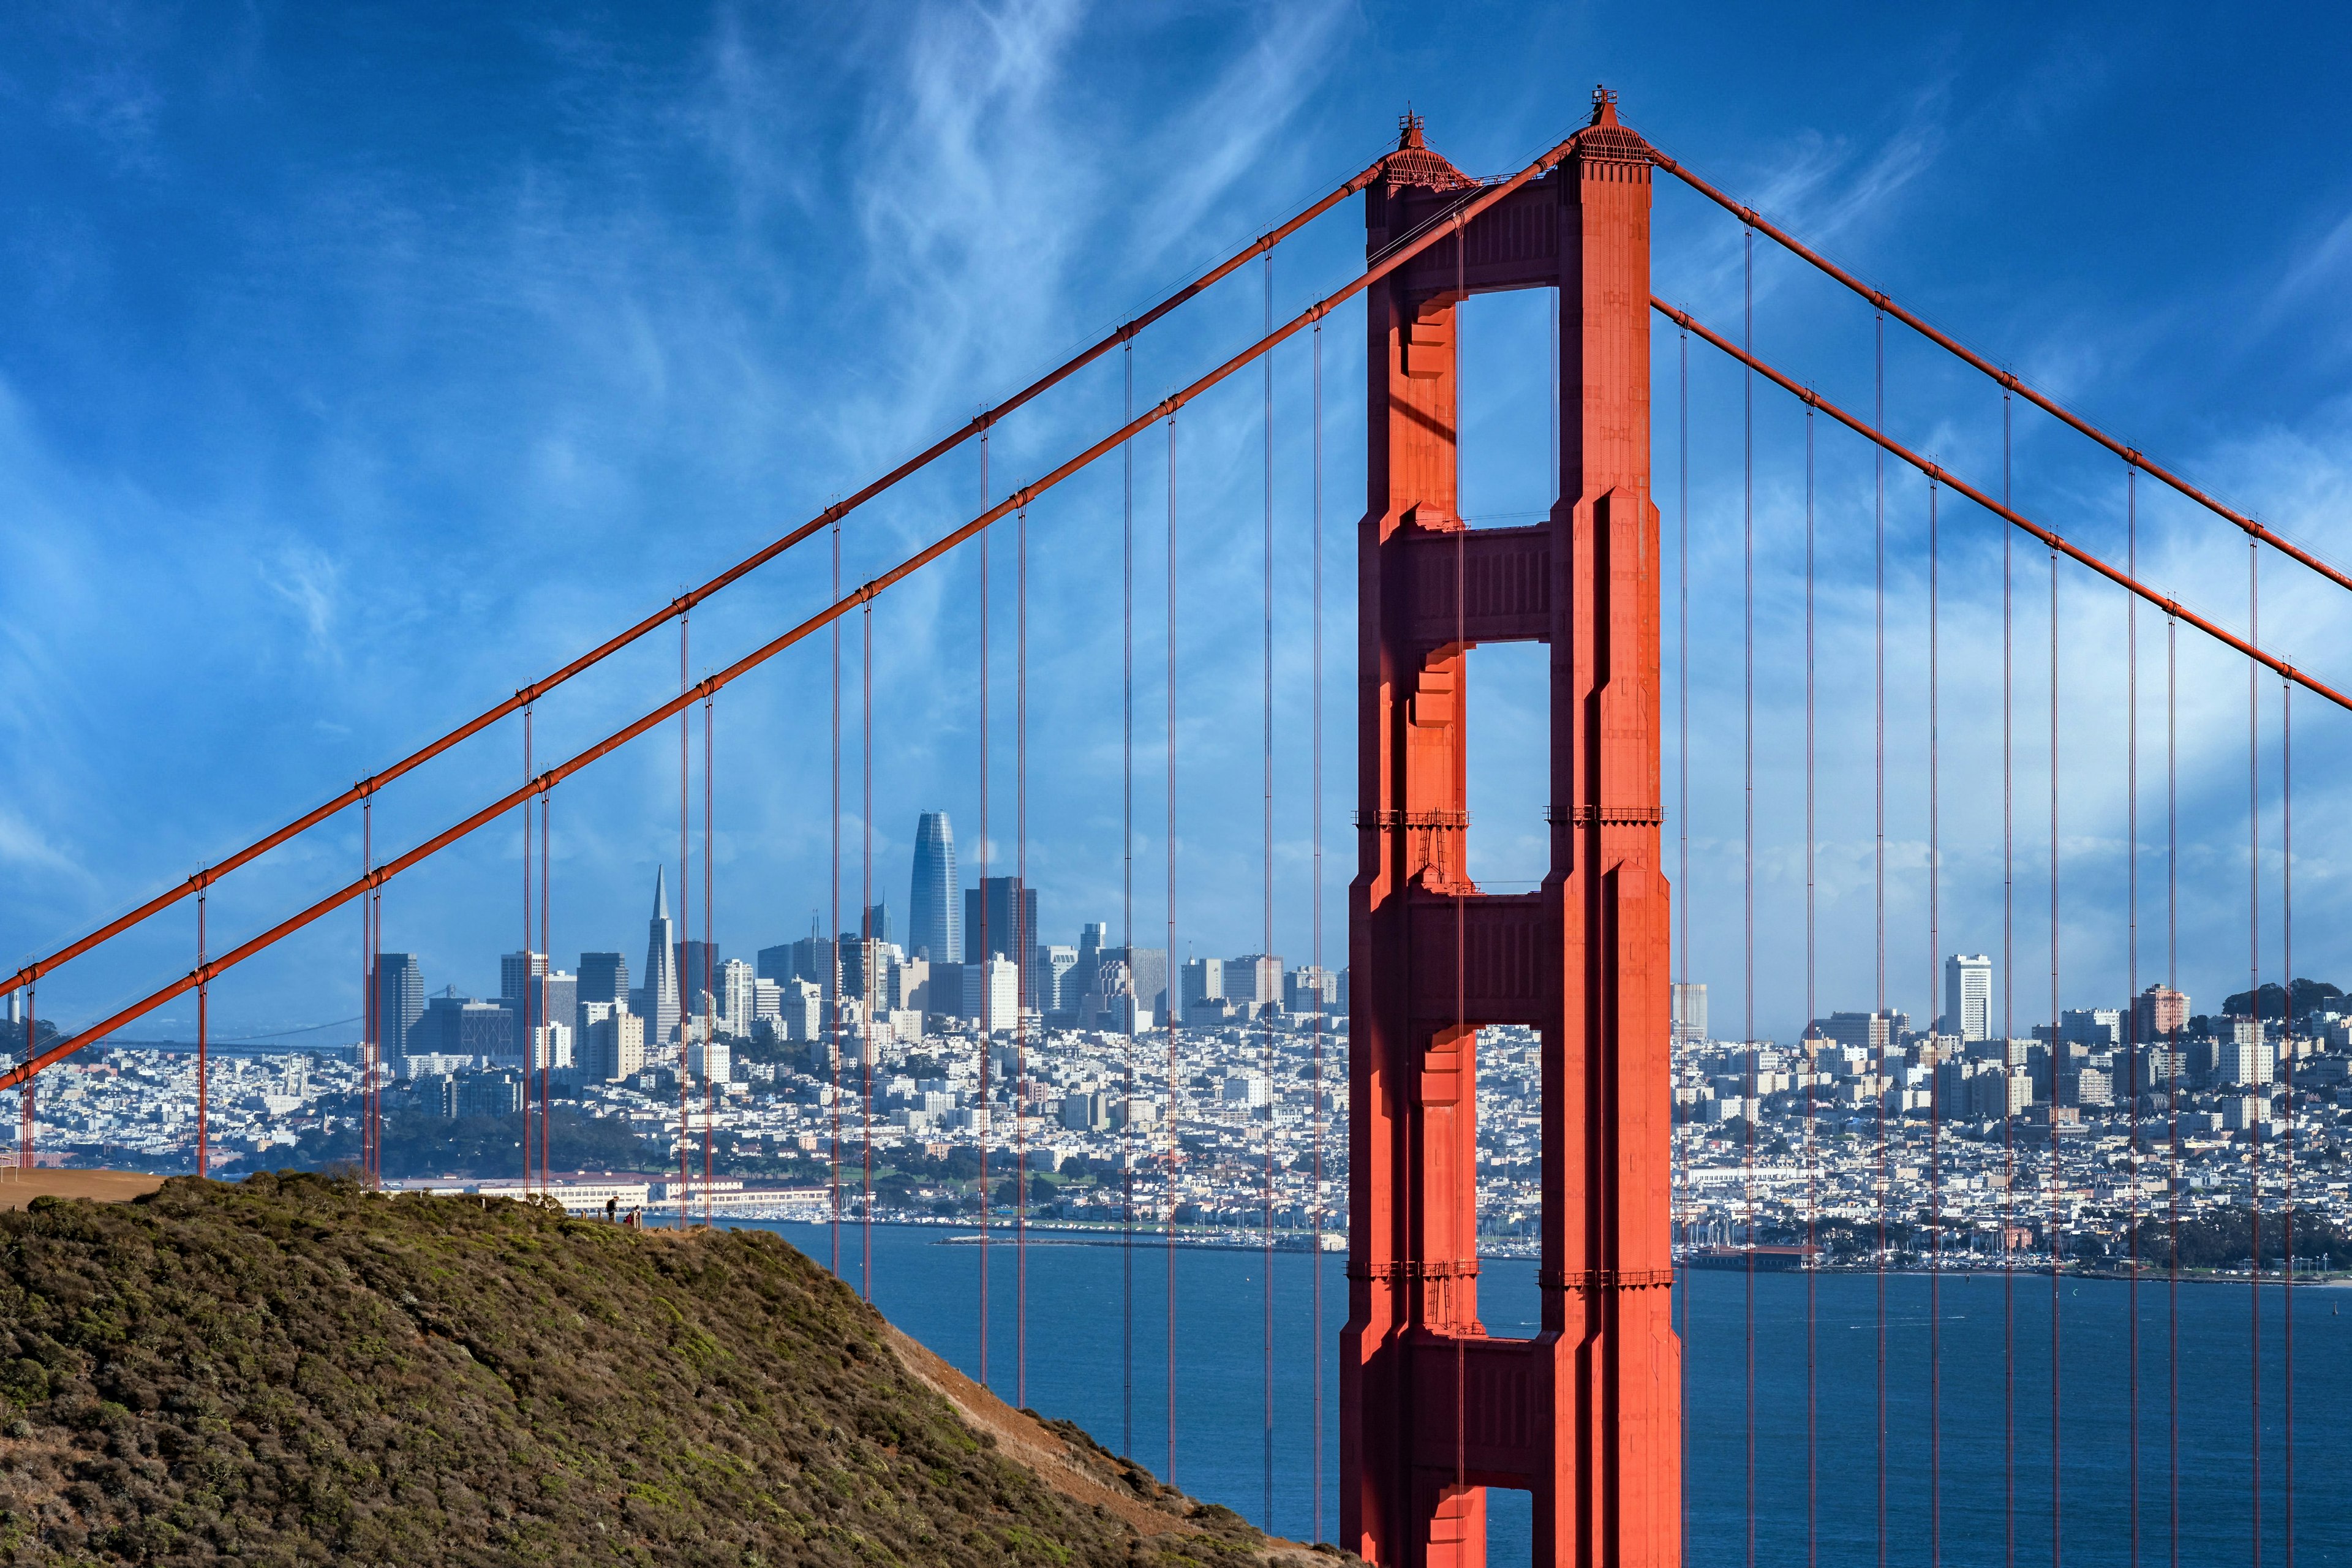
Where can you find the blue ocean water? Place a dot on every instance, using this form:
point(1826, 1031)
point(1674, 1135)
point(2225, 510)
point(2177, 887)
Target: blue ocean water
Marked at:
point(1995, 1432)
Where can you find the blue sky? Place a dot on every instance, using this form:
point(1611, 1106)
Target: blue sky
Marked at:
point(358, 365)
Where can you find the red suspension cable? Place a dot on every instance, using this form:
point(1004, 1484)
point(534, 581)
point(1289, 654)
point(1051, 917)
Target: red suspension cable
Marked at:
point(1315, 944)
point(2134, 1044)
point(682, 982)
point(526, 1021)
point(1127, 907)
point(2008, 383)
point(869, 941)
point(1935, 1074)
point(1175, 987)
point(1025, 941)
point(547, 1056)
point(2254, 993)
point(2007, 1003)
point(1747, 864)
point(1882, 1028)
point(203, 1031)
point(988, 1019)
point(1390, 261)
point(832, 945)
point(1266, 1010)
point(1811, 1058)
point(2288, 1211)
point(1122, 336)
point(707, 1002)
point(2057, 1045)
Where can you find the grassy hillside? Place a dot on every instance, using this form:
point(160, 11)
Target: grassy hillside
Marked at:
point(293, 1370)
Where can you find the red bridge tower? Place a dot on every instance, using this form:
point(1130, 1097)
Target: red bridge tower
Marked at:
point(1586, 1416)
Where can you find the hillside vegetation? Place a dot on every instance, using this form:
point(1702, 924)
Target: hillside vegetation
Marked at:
point(294, 1369)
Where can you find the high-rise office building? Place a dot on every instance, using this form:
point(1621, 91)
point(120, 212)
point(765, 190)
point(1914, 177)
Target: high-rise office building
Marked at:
point(658, 1000)
point(1057, 991)
point(604, 977)
point(1147, 969)
point(1690, 1011)
point(1307, 989)
point(1967, 996)
point(736, 997)
point(399, 1002)
point(877, 923)
point(1204, 981)
point(693, 978)
point(935, 914)
point(1093, 938)
point(1000, 917)
point(1254, 979)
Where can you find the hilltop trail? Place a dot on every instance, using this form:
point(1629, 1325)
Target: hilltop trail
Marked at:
point(294, 1369)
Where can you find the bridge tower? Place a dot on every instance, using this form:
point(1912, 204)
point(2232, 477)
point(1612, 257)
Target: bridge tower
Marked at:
point(1587, 1414)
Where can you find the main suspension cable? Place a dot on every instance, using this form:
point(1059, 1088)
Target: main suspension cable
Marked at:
point(2008, 380)
point(1167, 408)
point(1122, 336)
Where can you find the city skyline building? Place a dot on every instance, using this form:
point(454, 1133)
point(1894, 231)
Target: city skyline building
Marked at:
point(1967, 996)
point(935, 905)
point(399, 1002)
point(660, 995)
point(604, 977)
point(1000, 919)
point(1689, 1011)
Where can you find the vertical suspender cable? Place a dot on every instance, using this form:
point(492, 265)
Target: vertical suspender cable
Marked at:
point(2009, 1063)
point(1680, 1194)
point(1026, 940)
point(1935, 1074)
point(547, 1059)
point(2132, 1044)
point(25, 1109)
point(1812, 1065)
point(1175, 1147)
point(2254, 993)
point(204, 1029)
point(1882, 1028)
point(1748, 852)
point(686, 912)
point(2287, 1059)
point(2172, 1083)
point(369, 1047)
point(2057, 1241)
point(987, 976)
point(1127, 914)
point(710, 994)
point(832, 948)
point(1323, 995)
point(528, 1043)
point(1267, 1011)
point(869, 941)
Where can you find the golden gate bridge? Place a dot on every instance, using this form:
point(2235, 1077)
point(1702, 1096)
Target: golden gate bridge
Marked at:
point(1587, 1416)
